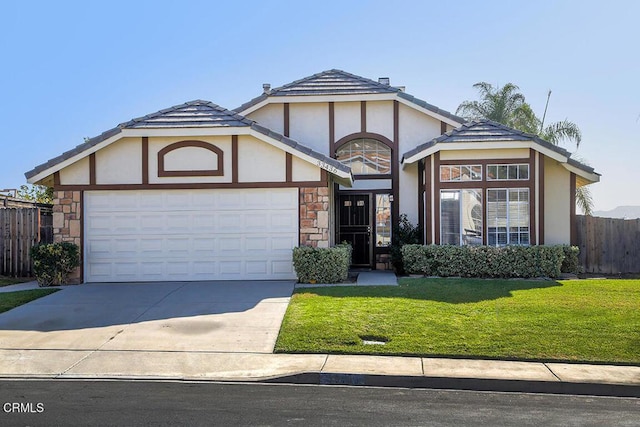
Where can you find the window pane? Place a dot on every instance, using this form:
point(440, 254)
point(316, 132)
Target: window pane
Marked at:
point(502, 172)
point(365, 156)
point(445, 173)
point(471, 218)
point(476, 173)
point(450, 217)
point(465, 173)
point(383, 220)
point(508, 221)
point(512, 171)
point(492, 172)
point(524, 171)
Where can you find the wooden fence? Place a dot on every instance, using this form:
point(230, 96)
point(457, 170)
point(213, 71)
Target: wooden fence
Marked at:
point(20, 229)
point(608, 245)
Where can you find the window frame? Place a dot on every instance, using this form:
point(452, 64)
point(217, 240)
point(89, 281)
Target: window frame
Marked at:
point(363, 140)
point(461, 229)
point(508, 225)
point(470, 167)
point(517, 167)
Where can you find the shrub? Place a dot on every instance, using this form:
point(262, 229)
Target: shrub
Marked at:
point(404, 233)
point(571, 262)
point(53, 262)
point(484, 261)
point(322, 265)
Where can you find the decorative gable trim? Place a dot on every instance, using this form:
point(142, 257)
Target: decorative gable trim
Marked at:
point(218, 171)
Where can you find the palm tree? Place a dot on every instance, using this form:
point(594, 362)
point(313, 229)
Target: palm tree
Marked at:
point(508, 106)
point(503, 105)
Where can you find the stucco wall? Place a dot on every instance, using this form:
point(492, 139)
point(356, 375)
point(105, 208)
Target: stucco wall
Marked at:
point(271, 116)
point(304, 171)
point(415, 128)
point(259, 162)
point(309, 124)
point(380, 118)
point(76, 174)
point(119, 163)
point(408, 192)
point(511, 153)
point(346, 118)
point(557, 188)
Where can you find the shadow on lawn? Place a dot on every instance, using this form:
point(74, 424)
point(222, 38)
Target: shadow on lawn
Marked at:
point(448, 290)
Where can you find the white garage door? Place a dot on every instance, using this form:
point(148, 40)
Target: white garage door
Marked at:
point(221, 234)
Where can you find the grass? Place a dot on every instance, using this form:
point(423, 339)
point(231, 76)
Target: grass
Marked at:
point(9, 300)
point(572, 320)
point(6, 281)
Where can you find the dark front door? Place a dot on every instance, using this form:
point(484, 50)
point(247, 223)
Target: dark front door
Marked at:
point(355, 227)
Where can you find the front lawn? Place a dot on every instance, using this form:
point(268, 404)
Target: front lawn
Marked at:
point(572, 320)
point(9, 300)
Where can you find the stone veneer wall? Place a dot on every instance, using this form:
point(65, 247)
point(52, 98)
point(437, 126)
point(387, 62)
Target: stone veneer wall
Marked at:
point(314, 217)
point(67, 222)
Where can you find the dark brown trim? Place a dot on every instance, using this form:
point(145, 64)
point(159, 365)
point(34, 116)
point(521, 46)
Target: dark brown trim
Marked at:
point(358, 135)
point(81, 236)
point(195, 186)
point(572, 208)
point(363, 116)
point(324, 178)
point(56, 180)
point(395, 165)
point(436, 201)
point(288, 167)
point(92, 169)
point(332, 129)
point(145, 160)
point(191, 143)
point(541, 158)
point(484, 184)
point(234, 159)
point(484, 162)
point(532, 198)
point(428, 180)
point(443, 127)
point(421, 197)
point(363, 176)
point(286, 120)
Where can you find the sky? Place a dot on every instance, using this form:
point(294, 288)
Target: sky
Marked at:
point(72, 70)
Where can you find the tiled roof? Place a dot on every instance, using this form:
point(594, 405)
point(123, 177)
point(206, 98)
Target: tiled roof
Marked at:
point(490, 131)
point(193, 114)
point(197, 113)
point(338, 82)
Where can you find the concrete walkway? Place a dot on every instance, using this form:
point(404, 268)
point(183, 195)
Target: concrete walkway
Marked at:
point(22, 287)
point(323, 369)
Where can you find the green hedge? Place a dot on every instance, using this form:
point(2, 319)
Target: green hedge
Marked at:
point(489, 261)
point(571, 262)
point(322, 265)
point(53, 262)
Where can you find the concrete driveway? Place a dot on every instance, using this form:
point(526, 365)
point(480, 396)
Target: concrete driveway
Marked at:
point(229, 317)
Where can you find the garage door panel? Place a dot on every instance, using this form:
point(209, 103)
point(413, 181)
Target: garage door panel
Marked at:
point(157, 235)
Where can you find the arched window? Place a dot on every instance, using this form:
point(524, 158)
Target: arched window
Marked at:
point(365, 156)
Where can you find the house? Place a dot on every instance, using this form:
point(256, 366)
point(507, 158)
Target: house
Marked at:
point(198, 192)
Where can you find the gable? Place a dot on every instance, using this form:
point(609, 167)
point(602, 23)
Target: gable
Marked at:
point(127, 154)
point(486, 136)
point(340, 86)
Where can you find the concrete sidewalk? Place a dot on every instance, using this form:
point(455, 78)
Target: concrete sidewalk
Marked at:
point(465, 374)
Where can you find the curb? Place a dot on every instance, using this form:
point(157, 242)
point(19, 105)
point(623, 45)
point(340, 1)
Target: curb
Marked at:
point(470, 384)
